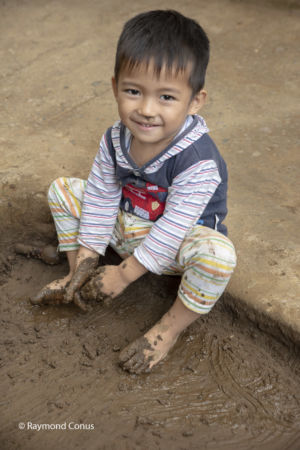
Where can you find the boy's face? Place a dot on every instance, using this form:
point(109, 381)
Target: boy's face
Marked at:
point(155, 108)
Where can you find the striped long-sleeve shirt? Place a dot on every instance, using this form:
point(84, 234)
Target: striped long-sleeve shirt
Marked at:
point(185, 184)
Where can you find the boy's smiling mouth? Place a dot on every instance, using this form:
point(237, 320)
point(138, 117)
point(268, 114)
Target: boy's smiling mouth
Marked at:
point(145, 125)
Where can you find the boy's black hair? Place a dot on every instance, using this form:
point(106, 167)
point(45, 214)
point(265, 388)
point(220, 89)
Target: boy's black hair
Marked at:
point(169, 39)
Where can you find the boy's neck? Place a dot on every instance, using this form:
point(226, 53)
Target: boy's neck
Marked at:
point(142, 152)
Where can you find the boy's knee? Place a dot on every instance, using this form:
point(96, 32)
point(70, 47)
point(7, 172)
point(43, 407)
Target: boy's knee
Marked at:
point(208, 245)
point(222, 249)
point(53, 188)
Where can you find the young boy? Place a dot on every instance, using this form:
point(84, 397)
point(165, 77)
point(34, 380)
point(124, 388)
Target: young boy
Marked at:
point(157, 188)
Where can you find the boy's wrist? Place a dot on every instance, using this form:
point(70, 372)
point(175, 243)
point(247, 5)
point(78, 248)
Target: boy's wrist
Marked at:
point(85, 253)
point(131, 269)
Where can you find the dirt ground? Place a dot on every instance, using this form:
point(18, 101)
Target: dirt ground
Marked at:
point(226, 384)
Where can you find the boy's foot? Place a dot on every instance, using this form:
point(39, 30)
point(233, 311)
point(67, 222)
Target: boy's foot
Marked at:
point(147, 351)
point(53, 293)
point(47, 254)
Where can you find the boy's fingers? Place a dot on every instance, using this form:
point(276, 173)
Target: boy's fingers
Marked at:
point(92, 290)
point(84, 271)
point(88, 291)
point(68, 298)
point(47, 295)
point(78, 301)
point(79, 278)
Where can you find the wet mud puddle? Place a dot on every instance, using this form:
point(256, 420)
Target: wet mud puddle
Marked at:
point(224, 385)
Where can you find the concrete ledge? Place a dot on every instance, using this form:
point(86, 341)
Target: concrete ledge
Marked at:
point(285, 331)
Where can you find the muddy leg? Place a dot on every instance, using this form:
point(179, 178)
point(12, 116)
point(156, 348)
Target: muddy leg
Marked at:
point(48, 254)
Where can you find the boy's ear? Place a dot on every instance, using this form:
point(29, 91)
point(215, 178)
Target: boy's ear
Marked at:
point(197, 101)
point(114, 87)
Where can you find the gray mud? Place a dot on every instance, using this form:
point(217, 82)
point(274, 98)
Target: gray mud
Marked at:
point(224, 385)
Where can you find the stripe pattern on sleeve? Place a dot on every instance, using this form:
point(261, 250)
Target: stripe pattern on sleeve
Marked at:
point(100, 203)
point(188, 196)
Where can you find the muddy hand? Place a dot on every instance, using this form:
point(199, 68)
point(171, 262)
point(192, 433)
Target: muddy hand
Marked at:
point(52, 294)
point(80, 303)
point(84, 271)
point(105, 285)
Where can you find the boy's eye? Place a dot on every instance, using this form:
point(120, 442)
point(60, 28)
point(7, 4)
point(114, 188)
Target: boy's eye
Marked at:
point(132, 91)
point(167, 97)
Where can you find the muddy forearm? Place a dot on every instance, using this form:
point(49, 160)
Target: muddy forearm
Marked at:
point(86, 254)
point(131, 269)
point(86, 262)
point(85, 265)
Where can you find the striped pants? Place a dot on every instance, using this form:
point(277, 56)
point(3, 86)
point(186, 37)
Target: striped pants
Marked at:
point(206, 258)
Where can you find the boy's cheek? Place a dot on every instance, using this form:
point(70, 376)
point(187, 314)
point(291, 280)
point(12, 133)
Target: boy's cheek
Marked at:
point(114, 87)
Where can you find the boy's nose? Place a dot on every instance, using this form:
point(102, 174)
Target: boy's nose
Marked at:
point(146, 108)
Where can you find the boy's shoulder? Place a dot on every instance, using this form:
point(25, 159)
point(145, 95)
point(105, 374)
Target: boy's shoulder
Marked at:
point(197, 145)
point(191, 145)
point(118, 136)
